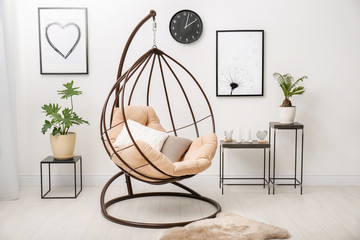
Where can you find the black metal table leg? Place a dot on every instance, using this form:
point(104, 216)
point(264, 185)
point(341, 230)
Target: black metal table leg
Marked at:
point(80, 175)
point(75, 178)
point(302, 161)
point(296, 131)
point(49, 177)
point(264, 165)
point(274, 161)
point(41, 180)
point(269, 183)
point(220, 166)
point(222, 171)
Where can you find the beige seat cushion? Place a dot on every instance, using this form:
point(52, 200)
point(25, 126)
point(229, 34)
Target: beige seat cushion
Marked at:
point(196, 159)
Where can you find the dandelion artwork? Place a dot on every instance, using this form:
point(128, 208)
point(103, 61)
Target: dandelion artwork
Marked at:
point(239, 63)
point(235, 80)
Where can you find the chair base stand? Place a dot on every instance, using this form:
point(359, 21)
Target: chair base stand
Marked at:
point(192, 195)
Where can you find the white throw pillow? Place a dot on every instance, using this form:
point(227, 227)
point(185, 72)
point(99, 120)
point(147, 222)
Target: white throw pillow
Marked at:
point(151, 136)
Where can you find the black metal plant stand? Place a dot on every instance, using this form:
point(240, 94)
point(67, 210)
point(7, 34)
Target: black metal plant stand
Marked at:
point(49, 161)
point(295, 127)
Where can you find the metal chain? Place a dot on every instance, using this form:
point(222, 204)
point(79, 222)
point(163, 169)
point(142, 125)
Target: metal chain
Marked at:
point(154, 30)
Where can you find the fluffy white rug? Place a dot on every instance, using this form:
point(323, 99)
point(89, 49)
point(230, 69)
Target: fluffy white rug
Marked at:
point(226, 226)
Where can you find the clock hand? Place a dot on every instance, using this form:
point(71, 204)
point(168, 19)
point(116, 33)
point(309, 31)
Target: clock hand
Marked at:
point(191, 23)
point(187, 20)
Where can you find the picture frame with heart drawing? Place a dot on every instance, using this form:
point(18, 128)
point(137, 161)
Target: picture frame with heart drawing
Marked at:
point(63, 40)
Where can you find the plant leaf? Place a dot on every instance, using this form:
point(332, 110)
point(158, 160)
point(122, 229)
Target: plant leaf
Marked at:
point(298, 90)
point(55, 131)
point(51, 109)
point(46, 126)
point(78, 120)
point(299, 80)
point(69, 91)
point(67, 119)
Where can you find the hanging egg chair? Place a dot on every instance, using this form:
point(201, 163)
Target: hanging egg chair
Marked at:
point(157, 87)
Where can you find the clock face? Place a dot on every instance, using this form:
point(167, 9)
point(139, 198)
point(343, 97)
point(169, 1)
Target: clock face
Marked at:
point(186, 26)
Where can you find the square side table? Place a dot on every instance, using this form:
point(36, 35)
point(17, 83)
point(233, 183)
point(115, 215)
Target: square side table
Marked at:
point(251, 145)
point(295, 127)
point(49, 161)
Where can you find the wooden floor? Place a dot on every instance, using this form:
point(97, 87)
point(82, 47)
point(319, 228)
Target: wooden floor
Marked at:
point(320, 213)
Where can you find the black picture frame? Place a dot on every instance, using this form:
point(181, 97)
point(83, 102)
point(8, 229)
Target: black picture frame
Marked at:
point(239, 63)
point(63, 40)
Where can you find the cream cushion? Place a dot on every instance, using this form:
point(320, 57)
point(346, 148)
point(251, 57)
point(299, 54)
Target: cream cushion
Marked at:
point(196, 159)
point(138, 131)
point(141, 114)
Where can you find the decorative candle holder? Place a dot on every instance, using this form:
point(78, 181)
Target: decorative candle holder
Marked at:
point(261, 135)
point(228, 135)
point(246, 135)
point(237, 135)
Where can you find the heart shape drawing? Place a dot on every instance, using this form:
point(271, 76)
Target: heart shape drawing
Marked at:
point(261, 134)
point(63, 38)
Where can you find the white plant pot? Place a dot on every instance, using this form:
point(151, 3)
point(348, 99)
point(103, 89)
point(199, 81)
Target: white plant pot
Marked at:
point(63, 145)
point(287, 114)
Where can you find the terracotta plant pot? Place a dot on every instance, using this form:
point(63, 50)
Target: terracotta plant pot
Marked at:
point(287, 114)
point(63, 145)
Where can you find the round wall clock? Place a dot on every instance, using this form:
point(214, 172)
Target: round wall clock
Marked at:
point(186, 26)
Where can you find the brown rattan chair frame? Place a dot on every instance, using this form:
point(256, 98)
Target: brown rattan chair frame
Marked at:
point(118, 93)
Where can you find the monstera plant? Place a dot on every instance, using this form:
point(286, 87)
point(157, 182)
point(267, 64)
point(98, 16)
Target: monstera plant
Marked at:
point(60, 120)
point(289, 87)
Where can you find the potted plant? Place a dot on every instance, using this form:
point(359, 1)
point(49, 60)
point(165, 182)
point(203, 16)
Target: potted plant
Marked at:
point(289, 87)
point(62, 141)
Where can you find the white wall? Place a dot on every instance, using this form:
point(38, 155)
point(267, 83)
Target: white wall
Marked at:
point(315, 38)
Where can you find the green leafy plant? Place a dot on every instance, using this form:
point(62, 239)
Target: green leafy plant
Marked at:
point(61, 121)
point(289, 87)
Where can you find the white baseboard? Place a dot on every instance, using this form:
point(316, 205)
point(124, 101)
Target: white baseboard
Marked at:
point(202, 179)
